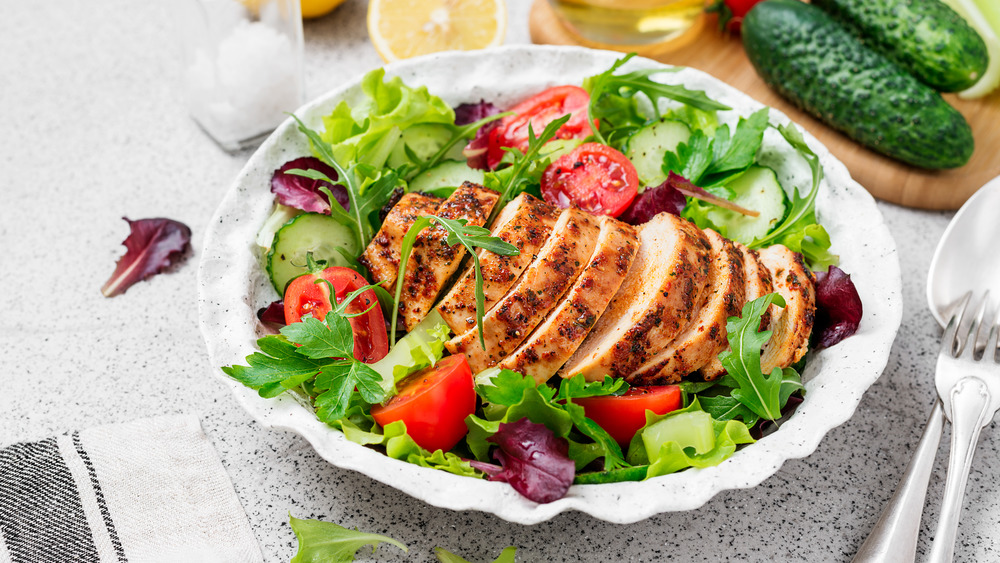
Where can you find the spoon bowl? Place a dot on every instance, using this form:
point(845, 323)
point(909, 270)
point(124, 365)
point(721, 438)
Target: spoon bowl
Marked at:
point(968, 255)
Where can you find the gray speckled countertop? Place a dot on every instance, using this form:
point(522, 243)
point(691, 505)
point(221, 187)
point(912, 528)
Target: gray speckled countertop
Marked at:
point(93, 129)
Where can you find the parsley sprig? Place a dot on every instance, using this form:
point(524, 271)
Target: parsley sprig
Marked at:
point(317, 351)
point(459, 232)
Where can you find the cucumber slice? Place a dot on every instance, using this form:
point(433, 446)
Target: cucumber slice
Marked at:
point(310, 232)
point(448, 174)
point(647, 146)
point(424, 140)
point(758, 189)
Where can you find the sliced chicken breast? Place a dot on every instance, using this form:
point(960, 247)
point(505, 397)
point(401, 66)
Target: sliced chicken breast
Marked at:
point(705, 336)
point(382, 255)
point(526, 223)
point(758, 284)
point(536, 292)
point(792, 326)
point(555, 340)
point(654, 304)
point(432, 261)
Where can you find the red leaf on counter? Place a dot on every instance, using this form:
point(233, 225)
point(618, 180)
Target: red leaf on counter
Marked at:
point(532, 459)
point(838, 307)
point(153, 245)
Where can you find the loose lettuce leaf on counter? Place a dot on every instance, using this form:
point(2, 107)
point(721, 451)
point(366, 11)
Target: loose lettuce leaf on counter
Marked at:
point(445, 556)
point(321, 542)
point(151, 246)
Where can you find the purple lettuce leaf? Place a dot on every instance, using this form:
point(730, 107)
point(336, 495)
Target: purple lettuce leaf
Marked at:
point(838, 307)
point(476, 151)
point(532, 459)
point(273, 313)
point(151, 246)
point(304, 193)
point(757, 432)
point(652, 202)
point(470, 113)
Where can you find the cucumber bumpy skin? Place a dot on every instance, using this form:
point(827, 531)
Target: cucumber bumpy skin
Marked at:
point(926, 38)
point(819, 66)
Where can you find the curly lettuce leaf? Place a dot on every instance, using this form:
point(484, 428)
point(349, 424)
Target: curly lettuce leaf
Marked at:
point(367, 132)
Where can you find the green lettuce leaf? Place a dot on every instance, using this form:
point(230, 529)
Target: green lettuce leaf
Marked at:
point(323, 542)
point(368, 132)
point(688, 437)
point(445, 556)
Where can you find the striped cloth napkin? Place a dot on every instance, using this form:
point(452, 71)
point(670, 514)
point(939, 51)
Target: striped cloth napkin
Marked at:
point(152, 490)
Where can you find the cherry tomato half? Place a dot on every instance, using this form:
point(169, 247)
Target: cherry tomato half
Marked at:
point(624, 415)
point(433, 403)
point(306, 294)
point(593, 177)
point(539, 111)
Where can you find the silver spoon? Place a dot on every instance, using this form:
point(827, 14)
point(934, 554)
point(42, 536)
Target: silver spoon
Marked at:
point(965, 259)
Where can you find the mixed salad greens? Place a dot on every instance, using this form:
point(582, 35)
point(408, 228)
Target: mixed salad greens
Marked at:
point(406, 397)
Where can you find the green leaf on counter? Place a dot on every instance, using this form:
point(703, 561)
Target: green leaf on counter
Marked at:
point(326, 542)
point(445, 556)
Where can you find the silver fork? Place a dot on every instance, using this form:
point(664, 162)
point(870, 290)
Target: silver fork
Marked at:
point(968, 382)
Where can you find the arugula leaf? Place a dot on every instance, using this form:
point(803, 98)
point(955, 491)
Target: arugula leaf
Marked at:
point(368, 189)
point(459, 232)
point(445, 556)
point(758, 392)
point(321, 542)
point(612, 97)
point(513, 180)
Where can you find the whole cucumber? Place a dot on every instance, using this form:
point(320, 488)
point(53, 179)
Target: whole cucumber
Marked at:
point(924, 37)
point(819, 66)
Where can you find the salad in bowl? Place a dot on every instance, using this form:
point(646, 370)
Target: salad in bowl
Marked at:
point(544, 293)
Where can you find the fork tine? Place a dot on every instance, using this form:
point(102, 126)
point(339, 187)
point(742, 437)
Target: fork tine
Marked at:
point(993, 342)
point(977, 337)
point(950, 341)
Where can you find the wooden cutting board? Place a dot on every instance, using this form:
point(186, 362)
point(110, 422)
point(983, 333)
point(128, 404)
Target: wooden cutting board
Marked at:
point(722, 56)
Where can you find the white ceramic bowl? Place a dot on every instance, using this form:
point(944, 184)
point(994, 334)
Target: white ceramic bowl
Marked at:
point(233, 286)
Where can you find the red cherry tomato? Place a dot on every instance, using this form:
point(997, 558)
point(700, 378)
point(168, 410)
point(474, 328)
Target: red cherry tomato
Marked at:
point(433, 403)
point(738, 9)
point(307, 295)
point(593, 177)
point(539, 111)
point(624, 415)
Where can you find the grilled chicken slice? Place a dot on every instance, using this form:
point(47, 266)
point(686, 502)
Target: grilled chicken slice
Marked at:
point(536, 292)
point(382, 255)
point(758, 284)
point(793, 324)
point(526, 223)
point(555, 340)
point(705, 336)
point(654, 304)
point(432, 261)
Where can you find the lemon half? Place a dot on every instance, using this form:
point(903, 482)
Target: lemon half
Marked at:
point(403, 29)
